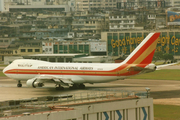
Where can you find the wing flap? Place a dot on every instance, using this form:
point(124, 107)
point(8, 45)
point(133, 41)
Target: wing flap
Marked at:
point(68, 81)
point(56, 80)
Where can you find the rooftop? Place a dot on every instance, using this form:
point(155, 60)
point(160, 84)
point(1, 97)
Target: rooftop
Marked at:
point(65, 102)
point(66, 55)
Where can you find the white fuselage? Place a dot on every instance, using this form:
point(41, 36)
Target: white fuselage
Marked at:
point(25, 69)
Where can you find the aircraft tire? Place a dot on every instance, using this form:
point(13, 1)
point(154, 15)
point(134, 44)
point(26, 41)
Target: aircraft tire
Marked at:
point(82, 86)
point(75, 86)
point(19, 85)
point(59, 88)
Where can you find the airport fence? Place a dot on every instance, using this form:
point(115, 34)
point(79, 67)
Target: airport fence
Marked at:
point(45, 103)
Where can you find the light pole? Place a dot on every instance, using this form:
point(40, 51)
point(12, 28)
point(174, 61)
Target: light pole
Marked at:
point(148, 91)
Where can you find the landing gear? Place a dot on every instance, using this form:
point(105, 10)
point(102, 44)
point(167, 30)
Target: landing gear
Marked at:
point(19, 84)
point(81, 86)
point(77, 86)
point(59, 87)
point(74, 86)
point(40, 84)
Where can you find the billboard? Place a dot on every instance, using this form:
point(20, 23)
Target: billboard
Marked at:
point(173, 18)
point(98, 46)
point(125, 43)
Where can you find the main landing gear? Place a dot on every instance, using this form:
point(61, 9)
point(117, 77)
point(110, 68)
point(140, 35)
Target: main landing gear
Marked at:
point(74, 86)
point(19, 84)
point(82, 86)
point(59, 87)
point(77, 86)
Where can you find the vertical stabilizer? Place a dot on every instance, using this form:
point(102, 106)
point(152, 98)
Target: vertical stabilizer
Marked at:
point(144, 52)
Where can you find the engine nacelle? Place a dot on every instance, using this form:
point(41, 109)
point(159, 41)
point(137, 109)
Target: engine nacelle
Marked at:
point(33, 83)
point(151, 67)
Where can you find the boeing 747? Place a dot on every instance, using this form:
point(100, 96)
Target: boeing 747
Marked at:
point(36, 73)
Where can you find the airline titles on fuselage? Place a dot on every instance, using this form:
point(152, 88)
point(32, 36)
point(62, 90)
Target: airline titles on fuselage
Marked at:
point(25, 65)
point(65, 68)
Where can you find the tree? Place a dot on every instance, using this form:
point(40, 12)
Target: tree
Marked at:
point(158, 56)
point(162, 56)
point(167, 57)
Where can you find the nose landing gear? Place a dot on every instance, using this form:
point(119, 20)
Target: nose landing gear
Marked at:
point(19, 84)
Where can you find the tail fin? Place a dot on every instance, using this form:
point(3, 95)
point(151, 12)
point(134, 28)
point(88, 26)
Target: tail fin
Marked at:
point(144, 52)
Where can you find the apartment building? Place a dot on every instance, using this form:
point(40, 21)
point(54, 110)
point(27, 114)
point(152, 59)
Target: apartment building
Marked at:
point(26, 47)
point(42, 26)
point(124, 22)
point(86, 24)
point(13, 47)
point(81, 5)
point(58, 5)
point(35, 5)
point(1, 5)
point(4, 44)
point(148, 4)
point(174, 3)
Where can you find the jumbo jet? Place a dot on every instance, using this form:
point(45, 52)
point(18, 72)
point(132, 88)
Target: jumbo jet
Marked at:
point(36, 73)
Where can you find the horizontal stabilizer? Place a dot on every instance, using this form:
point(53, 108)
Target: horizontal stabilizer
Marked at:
point(136, 68)
point(158, 67)
point(140, 69)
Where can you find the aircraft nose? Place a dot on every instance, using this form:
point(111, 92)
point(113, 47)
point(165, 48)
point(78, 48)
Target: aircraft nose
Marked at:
point(5, 69)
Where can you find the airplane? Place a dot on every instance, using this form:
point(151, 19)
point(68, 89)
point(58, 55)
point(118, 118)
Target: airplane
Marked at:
point(36, 72)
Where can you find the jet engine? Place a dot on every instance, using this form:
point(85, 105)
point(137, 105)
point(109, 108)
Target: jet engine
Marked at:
point(150, 68)
point(34, 83)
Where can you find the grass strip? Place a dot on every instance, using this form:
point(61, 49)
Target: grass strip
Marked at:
point(166, 112)
point(172, 74)
point(2, 74)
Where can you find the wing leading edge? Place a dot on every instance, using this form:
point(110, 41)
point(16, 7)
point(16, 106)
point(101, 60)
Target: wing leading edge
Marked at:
point(40, 80)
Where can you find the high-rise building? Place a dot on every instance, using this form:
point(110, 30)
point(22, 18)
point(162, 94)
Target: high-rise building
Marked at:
point(81, 5)
point(174, 3)
point(1, 5)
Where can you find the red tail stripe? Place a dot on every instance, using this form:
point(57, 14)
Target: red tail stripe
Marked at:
point(149, 58)
point(120, 67)
point(143, 48)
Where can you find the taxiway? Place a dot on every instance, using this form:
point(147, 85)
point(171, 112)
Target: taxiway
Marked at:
point(163, 91)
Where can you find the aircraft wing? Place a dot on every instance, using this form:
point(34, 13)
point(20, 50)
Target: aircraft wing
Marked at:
point(41, 79)
point(158, 67)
